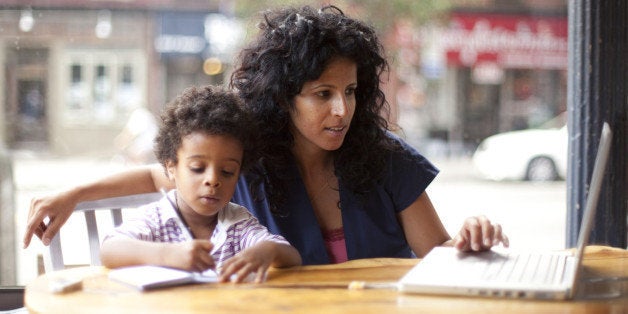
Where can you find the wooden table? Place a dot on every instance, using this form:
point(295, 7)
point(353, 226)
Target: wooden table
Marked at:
point(311, 289)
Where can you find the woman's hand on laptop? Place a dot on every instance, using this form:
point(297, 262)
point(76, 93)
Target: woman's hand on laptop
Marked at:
point(479, 234)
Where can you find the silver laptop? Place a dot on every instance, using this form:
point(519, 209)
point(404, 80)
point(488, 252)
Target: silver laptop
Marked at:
point(509, 273)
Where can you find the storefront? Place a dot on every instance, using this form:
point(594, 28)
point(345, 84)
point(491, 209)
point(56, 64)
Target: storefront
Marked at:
point(76, 75)
point(71, 76)
point(181, 47)
point(195, 48)
point(506, 72)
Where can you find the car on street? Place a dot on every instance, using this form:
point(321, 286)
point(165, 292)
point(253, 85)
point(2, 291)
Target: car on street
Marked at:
point(538, 154)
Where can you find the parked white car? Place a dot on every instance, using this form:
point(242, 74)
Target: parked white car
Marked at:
point(532, 154)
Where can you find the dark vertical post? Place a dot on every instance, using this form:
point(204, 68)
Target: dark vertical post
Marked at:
point(598, 92)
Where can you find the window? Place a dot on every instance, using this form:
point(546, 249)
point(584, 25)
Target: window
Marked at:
point(102, 86)
point(68, 87)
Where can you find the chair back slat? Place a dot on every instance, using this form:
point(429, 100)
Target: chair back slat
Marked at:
point(116, 216)
point(53, 257)
point(93, 237)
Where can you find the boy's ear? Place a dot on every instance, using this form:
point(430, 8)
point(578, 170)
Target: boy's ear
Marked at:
point(170, 169)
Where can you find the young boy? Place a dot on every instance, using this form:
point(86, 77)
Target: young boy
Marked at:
point(203, 145)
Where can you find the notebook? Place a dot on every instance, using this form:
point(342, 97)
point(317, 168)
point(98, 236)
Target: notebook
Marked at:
point(502, 272)
point(146, 277)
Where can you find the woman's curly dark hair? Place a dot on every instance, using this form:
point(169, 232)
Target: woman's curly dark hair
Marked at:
point(294, 46)
point(210, 110)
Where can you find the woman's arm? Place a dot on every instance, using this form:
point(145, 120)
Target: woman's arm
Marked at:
point(189, 255)
point(424, 230)
point(422, 226)
point(59, 207)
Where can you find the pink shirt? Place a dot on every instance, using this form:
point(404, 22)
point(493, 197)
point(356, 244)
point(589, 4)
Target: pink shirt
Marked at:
point(335, 245)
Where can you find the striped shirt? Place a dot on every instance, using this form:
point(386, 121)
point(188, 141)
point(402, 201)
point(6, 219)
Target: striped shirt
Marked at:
point(236, 229)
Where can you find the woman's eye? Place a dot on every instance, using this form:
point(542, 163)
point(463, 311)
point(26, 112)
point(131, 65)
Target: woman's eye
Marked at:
point(323, 94)
point(350, 91)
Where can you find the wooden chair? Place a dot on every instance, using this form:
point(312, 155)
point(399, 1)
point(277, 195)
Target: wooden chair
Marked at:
point(53, 257)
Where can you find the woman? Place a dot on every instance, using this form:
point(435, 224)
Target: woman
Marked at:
point(331, 178)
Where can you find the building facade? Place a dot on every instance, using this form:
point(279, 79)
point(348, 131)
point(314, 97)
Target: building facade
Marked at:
point(494, 67)
point(76, 70)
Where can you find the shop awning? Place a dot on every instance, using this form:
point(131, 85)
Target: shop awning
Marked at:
point(507, 41)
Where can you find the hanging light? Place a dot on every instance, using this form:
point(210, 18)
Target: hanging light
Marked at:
point(26, 20)
point(103, 26)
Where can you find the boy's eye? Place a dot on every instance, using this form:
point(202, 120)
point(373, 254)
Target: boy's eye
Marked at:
point(197, 169)
point(228, 173)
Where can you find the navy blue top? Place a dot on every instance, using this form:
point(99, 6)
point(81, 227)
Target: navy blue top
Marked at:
point(369, 221)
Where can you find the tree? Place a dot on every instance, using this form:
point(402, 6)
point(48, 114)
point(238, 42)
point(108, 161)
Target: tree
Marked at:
point(380, 13)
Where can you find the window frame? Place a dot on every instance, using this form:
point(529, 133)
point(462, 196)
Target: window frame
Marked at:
point(597, 70)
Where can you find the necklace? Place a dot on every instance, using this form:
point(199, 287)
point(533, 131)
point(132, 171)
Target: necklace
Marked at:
point(316, 195)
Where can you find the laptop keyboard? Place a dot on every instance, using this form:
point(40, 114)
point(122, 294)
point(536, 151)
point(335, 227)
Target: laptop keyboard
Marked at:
point(531, 268)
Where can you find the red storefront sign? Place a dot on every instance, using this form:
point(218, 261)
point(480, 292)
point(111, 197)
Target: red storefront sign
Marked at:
point(509, 41)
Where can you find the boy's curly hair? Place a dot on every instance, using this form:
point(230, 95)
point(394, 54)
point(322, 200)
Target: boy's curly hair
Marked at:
point(294, 46)
point(210, 110)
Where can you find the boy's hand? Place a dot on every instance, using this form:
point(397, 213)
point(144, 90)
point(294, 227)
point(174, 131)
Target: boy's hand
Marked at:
point(479, 234)
point(256, 259)
point(191, 255)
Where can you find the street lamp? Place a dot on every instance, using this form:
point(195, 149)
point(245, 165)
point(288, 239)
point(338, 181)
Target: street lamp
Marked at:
point(103, 26)
point(26, 20)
